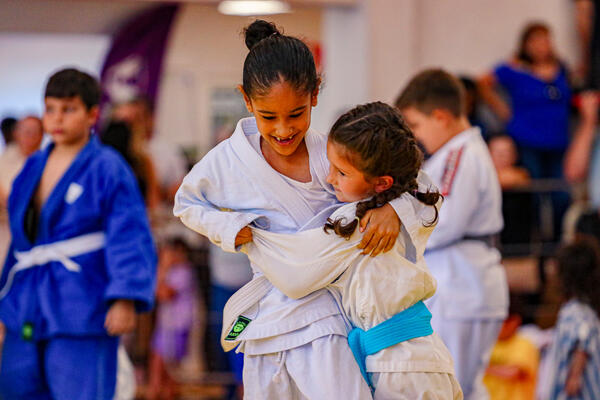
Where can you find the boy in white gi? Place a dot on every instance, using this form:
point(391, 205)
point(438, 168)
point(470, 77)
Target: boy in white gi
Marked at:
point(81, 261)
point(272, 173)
point(374, 158)
point(472, 297)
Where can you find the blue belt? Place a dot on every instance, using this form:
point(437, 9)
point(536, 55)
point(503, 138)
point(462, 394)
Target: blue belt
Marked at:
point(411, 323)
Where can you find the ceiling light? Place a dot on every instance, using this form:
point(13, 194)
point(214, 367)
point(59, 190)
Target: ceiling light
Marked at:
point(253, 7)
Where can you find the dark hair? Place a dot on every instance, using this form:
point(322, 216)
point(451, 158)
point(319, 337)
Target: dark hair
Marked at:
point(71, 83)
point(117, 134)
point(7, 126)
point(275, 57)
point(378, 142)
point(433, 89)
point(579, 271)
point(588, 224)
point(529, 30)
point(178, 243)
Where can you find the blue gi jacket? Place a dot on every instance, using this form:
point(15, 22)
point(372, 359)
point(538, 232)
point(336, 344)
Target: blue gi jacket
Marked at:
point(93, 246)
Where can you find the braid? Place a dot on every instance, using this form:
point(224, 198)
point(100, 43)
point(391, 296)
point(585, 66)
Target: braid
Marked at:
point(378, 142)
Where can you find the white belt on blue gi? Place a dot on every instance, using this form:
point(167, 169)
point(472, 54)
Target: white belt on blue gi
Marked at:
point(60, 251)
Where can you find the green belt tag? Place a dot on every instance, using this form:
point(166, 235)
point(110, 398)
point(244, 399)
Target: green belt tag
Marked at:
point(239, 326)
point(27, 331)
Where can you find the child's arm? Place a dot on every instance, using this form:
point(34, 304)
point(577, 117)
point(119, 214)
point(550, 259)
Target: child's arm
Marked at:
point(130, 256)
point(575, 376)
point(195, 206)
point(120, 318)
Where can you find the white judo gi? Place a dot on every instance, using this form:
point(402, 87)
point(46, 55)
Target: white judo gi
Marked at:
point(293, 349)
point(371, 291)
point(472, 295)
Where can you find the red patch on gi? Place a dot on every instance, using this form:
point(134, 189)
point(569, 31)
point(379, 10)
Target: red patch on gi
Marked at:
point(452, 163)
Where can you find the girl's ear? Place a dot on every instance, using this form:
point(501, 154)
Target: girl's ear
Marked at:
point(240, 88)
point(383, 183)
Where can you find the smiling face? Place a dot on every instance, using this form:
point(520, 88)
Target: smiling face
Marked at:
point(349, 183)
point(68, 120)
point(282, 116)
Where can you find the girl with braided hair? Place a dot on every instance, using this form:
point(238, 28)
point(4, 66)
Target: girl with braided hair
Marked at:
point(374, 159)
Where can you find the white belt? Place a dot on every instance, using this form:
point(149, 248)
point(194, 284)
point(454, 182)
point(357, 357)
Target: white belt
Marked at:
point(60, 251)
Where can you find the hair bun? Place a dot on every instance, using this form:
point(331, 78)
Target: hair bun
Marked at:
point(257, 31)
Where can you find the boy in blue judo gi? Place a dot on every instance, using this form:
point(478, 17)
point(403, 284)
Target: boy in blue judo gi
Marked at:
point(81, 261)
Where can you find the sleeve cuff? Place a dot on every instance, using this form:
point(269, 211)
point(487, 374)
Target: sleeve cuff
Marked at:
point(228, 237)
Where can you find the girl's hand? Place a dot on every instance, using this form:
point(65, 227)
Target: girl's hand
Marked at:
point(120, 318)
point(244, 236)
point(383, 227)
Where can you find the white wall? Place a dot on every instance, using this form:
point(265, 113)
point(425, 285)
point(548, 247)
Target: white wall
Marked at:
point(345, 67)
point(472, 35)
point(462, 36)
point(28, 59)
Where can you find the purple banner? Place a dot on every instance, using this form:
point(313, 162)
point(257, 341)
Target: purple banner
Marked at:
point(133, 64)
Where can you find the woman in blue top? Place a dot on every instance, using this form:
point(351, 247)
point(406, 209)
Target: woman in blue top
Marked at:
point(536, 84)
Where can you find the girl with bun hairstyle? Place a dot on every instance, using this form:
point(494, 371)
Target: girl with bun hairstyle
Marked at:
point(272, 174)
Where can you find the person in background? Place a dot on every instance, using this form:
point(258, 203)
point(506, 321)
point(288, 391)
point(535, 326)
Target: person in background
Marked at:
point(81, 262)
point(504, 156)
point(7, 127)
point(514, 362)
point(536, 116)
point(119, 136)
point(575, 351)
point(477, 111)
point(168, 161)
point(471, 300)
point(517, 205)
point(28, 135)
point(177, 298)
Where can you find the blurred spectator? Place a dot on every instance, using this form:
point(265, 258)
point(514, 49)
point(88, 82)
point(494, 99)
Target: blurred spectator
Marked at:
point(513, 364)
point(7, 127)
point(575, 356)
point(587, 19)
point(177, 299)
point(536, 83)
point(169, 162)
point(504, 156)
point(477, 111)
point(28, 134)
point(577, 158)
point(517, 205)
point(118, 135)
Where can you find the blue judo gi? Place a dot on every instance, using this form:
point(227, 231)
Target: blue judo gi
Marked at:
point(92, 246)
